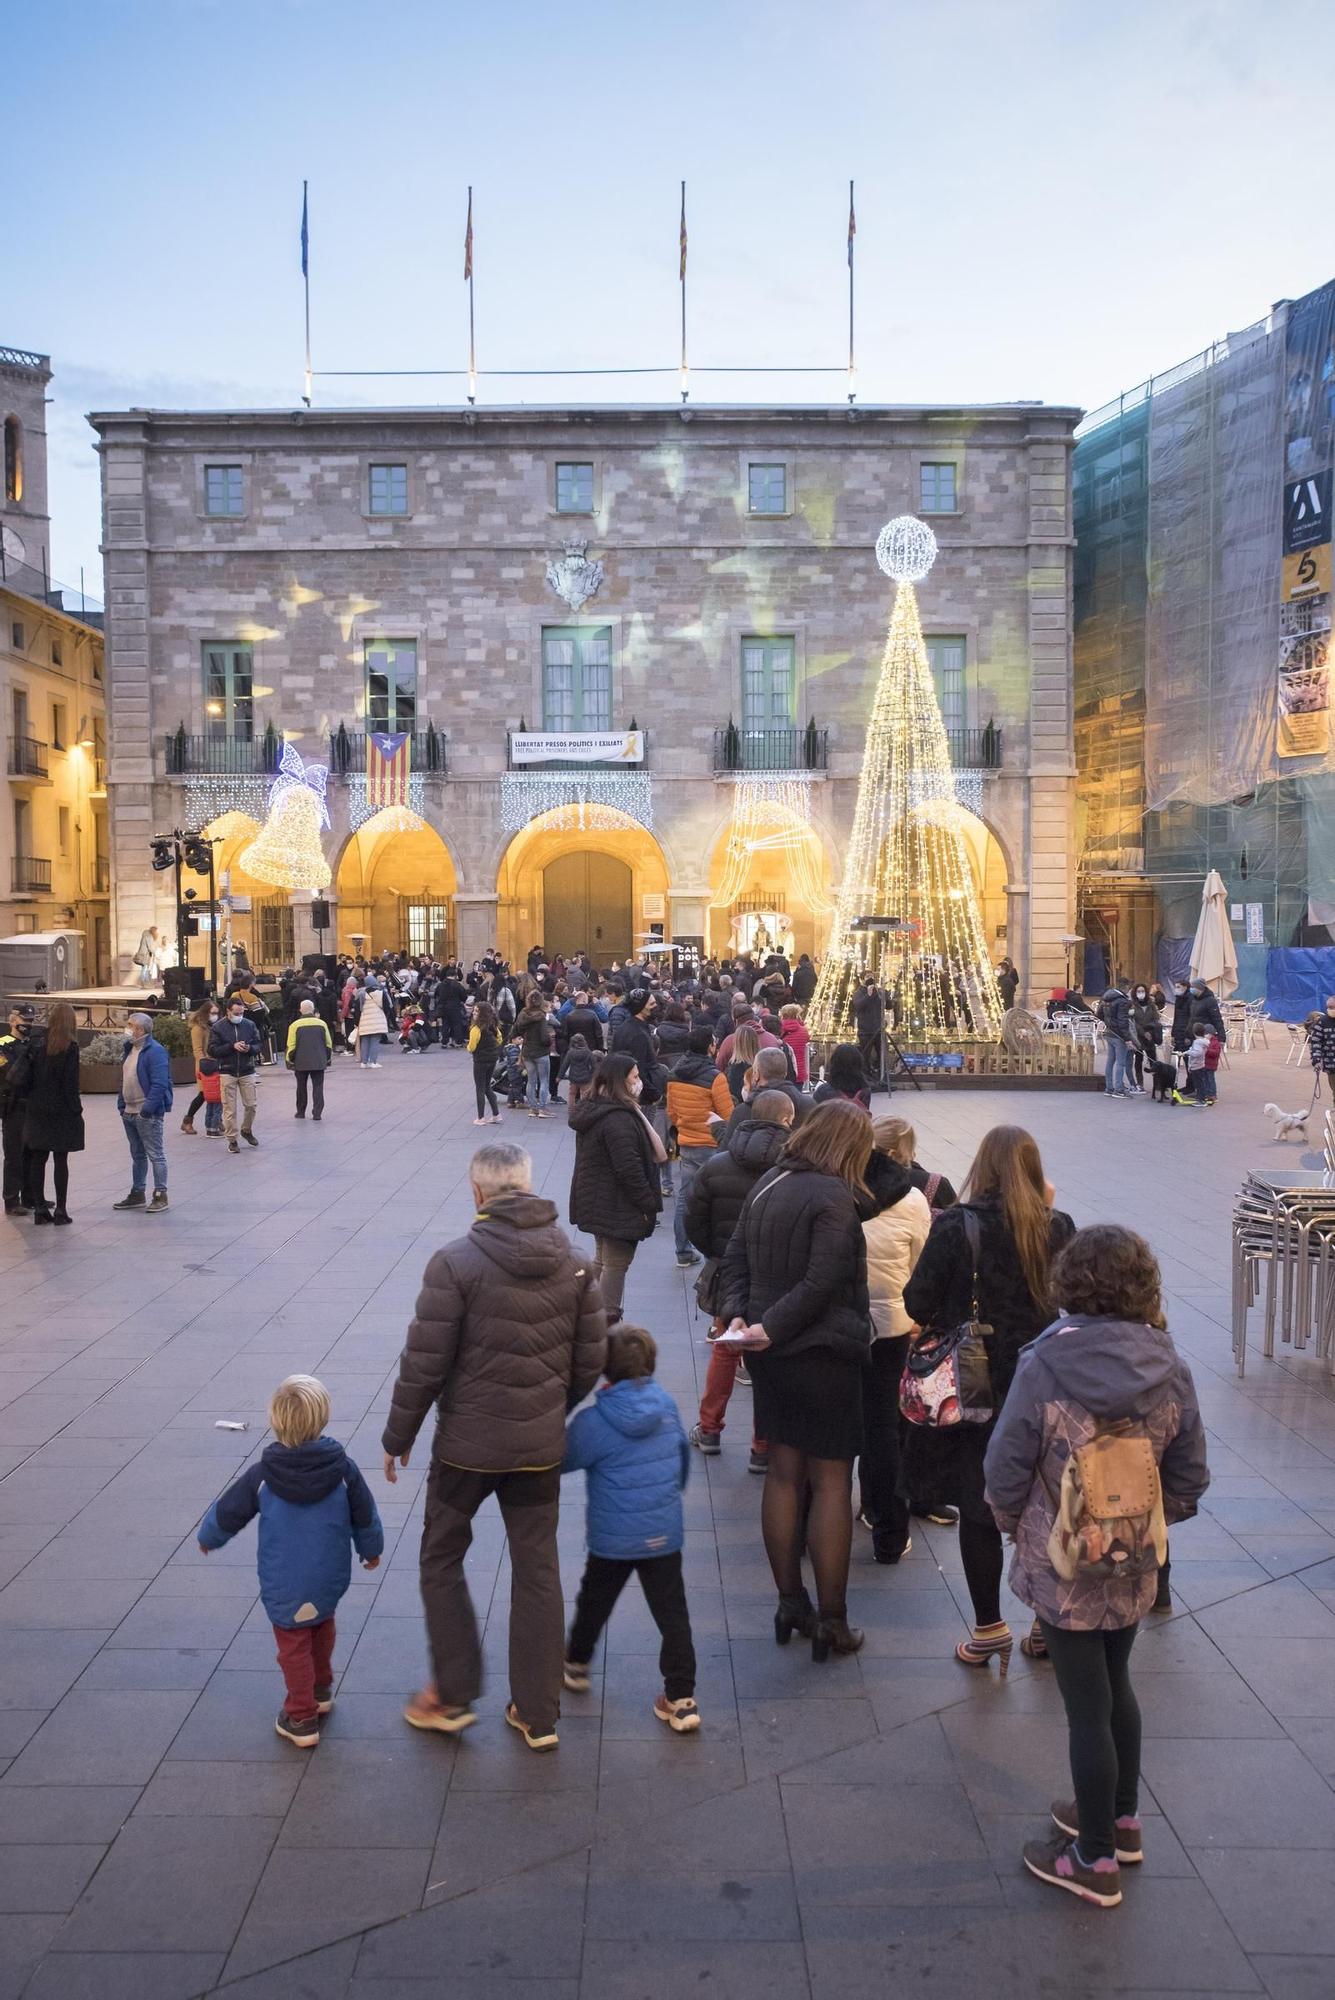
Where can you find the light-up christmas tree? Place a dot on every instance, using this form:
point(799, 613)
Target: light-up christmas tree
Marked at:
point(908, 858)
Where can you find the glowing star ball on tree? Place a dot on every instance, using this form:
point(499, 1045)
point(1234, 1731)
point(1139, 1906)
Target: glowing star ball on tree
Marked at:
point(908, 857)
point(287, 851)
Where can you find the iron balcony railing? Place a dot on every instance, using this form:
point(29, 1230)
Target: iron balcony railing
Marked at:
point(347, 752)
point(975, 749)
point(222, 756)
point(741, 749)
point(27, 758)
point(575, 763)
point(29, 875)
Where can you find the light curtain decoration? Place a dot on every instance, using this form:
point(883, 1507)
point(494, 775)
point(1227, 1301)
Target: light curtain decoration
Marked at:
point(771, 813)
point(599, 802)
point(208, 798)
point(389, 819)
point(287, 851)
point(908, 857)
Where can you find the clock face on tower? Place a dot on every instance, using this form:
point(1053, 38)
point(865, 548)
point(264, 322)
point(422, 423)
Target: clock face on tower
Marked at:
point(13, 545)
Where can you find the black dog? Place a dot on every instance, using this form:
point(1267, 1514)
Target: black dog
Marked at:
point(1165, 1080)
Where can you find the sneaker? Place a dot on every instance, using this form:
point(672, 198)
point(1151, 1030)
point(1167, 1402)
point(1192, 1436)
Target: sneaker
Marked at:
point(250, 1138)
point(898, 1556)
point(1127, 1832)
point(483, 1121)
point(424, 1711)
point(680, 1716)
point(709, 1442)
point(575, 1674)
point(136, 1198)
point(940, 1517)
point(743, 1376)
point(536, 1739)
point(159, 1201)
point(1058, 1862)
point(304, 1734)
point(686, 1260)
point(324, 1698)
point(232, 1146)
point(862, 1521)
point(758, 1462)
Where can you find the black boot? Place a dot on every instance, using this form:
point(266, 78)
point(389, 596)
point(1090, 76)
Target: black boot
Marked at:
point(1163, 1597)
point(835, 1635)
point(795, 1614)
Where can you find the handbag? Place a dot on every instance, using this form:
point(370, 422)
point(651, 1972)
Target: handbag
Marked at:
point(947, 1379)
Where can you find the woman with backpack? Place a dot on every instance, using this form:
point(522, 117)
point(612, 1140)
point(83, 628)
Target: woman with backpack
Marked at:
point(484, 1045)
point(1099, 1446)
point(994, 1247)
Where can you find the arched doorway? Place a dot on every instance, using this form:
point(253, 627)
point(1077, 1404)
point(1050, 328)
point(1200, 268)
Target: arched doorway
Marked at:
point(396, 891)
point(588, 904)
point(572, 888)
point(990, 876)
point(769, 881)
point(263, 919)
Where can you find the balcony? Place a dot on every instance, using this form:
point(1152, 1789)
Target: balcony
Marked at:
point(347, 752)
point(975, 749)
point(29, 876)
point(771, 749)
point(222, 756)
point(27, 758)
point(611, 762)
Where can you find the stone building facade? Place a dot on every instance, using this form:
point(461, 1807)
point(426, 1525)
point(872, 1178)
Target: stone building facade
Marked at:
point(307, 575)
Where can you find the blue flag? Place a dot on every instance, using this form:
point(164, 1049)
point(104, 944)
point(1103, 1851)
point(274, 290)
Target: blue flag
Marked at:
point(305, 236)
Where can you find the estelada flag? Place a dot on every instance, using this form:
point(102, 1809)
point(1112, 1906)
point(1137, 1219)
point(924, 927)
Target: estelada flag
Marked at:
point(468, 239)
point(387, 769)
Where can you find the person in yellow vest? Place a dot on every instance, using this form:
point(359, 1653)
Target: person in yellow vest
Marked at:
point(310, 1050)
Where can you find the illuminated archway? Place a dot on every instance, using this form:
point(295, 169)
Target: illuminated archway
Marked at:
point(615, 925)
point(396, 890)
point(768, 862)
point(264, 922)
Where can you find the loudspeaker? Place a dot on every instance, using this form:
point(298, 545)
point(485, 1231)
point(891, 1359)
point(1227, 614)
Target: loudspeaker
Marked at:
point(183, 982)
point(320, 914)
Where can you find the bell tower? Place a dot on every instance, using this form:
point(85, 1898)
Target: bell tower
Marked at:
point(25, 523)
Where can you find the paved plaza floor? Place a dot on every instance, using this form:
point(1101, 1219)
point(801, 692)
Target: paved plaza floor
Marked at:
point(848, 1831)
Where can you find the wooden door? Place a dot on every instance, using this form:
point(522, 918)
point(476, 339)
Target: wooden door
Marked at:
point(587, 906)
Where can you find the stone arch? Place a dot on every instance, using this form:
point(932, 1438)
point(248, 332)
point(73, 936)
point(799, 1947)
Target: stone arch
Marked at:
point(772, 882)
point(396, 889)
point(522, 890)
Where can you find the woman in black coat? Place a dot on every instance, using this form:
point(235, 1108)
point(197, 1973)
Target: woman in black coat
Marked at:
point(615, 1195)
point(53, 1119)
point(845, 1077)
point(794, 1277)
point(1019, 1232)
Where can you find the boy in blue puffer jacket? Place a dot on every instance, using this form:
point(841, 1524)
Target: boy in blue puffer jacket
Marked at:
point(312, 1502)
point(631, 1443)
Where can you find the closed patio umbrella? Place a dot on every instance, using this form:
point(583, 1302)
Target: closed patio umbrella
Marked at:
point(1213, 957)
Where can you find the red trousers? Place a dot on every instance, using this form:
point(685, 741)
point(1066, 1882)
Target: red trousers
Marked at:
point(719, 1382)
point(306, 1655)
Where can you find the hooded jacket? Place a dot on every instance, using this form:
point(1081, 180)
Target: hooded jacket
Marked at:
point(798, 1265)
point(716, 1196)
point(1079, 1376)
point(509, 1333)
point(615, 1189)
point(631, 1035)
point(796, 1039)
point(895, 1225)
point(314, 1507)
point(631, 1443)
point(1115, 1014)
point(696, 1091)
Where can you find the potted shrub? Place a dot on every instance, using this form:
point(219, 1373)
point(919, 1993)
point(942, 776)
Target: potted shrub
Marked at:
point(101, 1058)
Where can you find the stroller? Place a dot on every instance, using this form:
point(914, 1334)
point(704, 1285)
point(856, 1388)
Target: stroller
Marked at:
point(510, 1075)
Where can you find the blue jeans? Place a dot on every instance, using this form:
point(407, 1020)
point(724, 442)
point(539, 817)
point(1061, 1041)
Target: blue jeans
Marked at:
point(689, 1162)
point(368, 1049)
point(145, 1137)
point(1117, 1068)
point(538, 1095)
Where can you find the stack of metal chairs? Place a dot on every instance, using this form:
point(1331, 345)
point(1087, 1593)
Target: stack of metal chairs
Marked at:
point(1284, 1249)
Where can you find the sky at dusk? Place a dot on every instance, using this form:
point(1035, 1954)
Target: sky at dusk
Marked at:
point(1053, 200)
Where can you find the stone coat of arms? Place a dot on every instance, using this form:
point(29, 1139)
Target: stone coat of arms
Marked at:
point(573, 577)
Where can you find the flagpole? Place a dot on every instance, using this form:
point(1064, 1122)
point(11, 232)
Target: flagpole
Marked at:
point(852, 232)
point(685, 371)
point(468, 273)
point(306, 281)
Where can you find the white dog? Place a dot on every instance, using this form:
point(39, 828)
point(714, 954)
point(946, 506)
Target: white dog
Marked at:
point(1288, 1121)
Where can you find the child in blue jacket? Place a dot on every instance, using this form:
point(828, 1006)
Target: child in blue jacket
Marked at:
point(313, 1503)
point(631, 1443)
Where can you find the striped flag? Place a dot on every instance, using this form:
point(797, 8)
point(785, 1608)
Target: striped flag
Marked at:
point(468, 239)
point(305, 234)
point(852, 225)
point(387, 769)
point(682, 272)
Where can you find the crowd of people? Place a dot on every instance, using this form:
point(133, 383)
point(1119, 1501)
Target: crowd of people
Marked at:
point(1177, 1043)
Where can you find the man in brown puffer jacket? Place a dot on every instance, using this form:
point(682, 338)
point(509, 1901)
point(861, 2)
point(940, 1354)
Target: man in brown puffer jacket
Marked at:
point(508, 1335)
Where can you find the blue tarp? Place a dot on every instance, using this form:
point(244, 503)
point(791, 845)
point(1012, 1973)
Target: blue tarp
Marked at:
point(1297, 982)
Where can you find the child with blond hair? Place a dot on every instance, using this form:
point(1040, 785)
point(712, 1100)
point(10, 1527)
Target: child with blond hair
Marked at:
point(314, 1508)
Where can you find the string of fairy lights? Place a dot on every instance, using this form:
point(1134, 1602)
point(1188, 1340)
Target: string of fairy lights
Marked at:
point(908, 865)
point(771, 813)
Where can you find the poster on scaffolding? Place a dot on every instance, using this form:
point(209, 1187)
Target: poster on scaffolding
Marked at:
point(1303, 684)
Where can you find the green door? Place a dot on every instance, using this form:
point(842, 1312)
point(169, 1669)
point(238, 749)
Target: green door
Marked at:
point(587, 906)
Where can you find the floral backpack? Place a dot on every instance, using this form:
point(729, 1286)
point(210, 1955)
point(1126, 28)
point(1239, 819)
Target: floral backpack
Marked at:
point(1110, 1518)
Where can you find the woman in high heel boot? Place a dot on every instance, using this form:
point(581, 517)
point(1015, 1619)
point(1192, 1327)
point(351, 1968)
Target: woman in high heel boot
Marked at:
point(794, 1277)
point(1019, 1231)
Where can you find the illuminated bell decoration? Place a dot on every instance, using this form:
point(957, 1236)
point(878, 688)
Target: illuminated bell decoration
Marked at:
point(287, 851)
point(909, 856)
point(906, 548)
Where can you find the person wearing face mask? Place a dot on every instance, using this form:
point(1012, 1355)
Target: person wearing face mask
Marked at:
point(234, 1044)
point(201, 1024)
point(1146, 1031)
point(144, 1099)
point(1321, 1043)
point(615, 1195)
